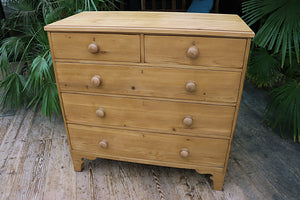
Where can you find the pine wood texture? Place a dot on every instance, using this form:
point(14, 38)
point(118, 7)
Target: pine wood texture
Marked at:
point(148, 81)
point(151, 114)
point(122, 144)
point(221, 52)
point(153, 88)
point(175, 23)
point(112, 47)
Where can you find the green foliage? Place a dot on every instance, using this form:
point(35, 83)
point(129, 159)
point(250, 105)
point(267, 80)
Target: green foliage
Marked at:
point(281, 25)
point(263, 69)
point(276, 40)
point(25, 59)
point(14, 90)
point(4, 62)
point(49, 97)
point(41, 73)
point(284, 108)
point(12, 47)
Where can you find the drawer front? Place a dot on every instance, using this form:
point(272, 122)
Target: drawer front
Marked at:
point(158, 115)
point(141, 146)
point(191, 84)
point(204, 51)
point(102, 47)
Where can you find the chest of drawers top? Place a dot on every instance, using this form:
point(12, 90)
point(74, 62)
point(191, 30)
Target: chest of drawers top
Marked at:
point(156, 23)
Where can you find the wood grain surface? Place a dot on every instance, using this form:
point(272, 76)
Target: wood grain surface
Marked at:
point(149, 114)
point(221, 52)
point(123, 145)
point(211, 86)
point(112, 47)
point(155, 22)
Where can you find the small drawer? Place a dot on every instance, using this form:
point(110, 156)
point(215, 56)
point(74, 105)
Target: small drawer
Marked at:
point(203, 85)
point(102, 47)
point(141, 113)
point(204, 51)
point(142, 146)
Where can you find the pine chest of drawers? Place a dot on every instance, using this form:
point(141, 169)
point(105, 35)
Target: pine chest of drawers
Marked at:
point(151, 87)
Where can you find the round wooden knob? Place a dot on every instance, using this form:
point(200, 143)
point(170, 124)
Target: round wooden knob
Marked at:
point(100, 112)
point(192, 52)
point(103, 144)
point(96, 81)
point(184, 153)
point(93, 48)
point(190, 86)
point(188, 120)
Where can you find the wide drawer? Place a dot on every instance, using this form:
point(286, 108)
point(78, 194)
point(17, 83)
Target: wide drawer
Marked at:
point(158, 115)
point(102, 47)
point(203, 85)
point(139, 146)
point(205, 51)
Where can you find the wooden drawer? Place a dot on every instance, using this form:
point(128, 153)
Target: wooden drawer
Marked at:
point(158, 115)
point(140, 146)
point(221, 52)
point(111, 47)
point(217, 86)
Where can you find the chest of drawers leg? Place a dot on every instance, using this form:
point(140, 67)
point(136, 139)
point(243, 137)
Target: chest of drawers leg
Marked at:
point(153, 88)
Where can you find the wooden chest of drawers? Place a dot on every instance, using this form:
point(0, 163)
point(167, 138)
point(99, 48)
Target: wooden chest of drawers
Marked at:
point(149, 87)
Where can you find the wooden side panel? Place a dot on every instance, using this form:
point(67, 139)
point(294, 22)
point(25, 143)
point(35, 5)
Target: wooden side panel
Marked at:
point(158, 115)
point(149, 146)
point(58, 85)
point(112, 47)
point(216, 86)
point(247, 50)
point(221, 52)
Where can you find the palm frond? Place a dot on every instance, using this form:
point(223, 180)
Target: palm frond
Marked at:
point(23, 12)
point(4, 63)
point(39, 74)
point(14, 94)
point(263, 69)
point(293, 71)
point(49, 97)
point(284, 108)
point(108, 4)
point(13, 46)
point(281, 28)
point(53, 15)
point(89, 5)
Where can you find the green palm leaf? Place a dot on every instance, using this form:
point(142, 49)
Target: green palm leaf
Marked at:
point(263, 69)
point(4, 63)
point(14, 94)
point(281, 28)
point(13, 47)
point(40, 73)
point(23, 12)
point(49, 96)
point(284, 108)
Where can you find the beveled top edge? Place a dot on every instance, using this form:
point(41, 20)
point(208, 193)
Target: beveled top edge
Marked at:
point(154, 22)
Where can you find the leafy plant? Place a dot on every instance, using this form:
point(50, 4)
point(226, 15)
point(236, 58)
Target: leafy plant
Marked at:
point(268, 72)
point(280, 26)
point(275, 57)
point(25, 59)
point(284, 107)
